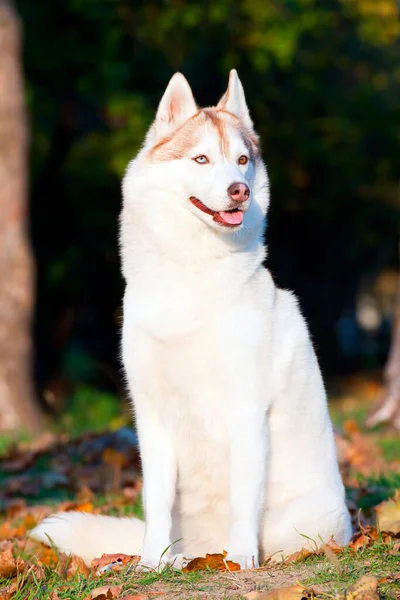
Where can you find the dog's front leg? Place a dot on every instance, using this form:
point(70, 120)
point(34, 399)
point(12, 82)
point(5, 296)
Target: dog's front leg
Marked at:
point(159, 481)
point(248, 458)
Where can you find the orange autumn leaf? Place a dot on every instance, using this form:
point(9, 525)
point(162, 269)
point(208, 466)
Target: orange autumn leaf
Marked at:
point(299, 556)
point(69, 566)
point(105, 592)
point(360, 451)
point(15, 507)
point(215, 562)
point(84, 507)
point(29, 521)
point(369, 535)
point(47, 556)
point(9, 565)
point(7, 531)
point(334, 546)
point(79, 506)
point(113, 562)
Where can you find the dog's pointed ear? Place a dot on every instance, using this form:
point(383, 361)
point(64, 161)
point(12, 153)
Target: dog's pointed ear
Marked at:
point(176, 106)
point(234, 100)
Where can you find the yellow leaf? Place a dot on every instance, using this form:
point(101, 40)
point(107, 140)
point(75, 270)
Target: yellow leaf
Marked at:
point(363, 589)
point(388, 514)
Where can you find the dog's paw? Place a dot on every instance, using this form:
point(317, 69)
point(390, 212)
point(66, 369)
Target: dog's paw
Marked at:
point(245, 562)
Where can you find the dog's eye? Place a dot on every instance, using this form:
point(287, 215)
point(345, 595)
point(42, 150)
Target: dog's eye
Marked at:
point(202, 160)
point(243, 160)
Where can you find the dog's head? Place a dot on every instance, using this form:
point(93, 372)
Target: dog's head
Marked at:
point(208, 160)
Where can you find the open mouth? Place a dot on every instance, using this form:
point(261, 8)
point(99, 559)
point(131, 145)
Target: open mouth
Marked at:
point(228, 218)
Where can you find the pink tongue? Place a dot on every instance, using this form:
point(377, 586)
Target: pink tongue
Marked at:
point(233, 218)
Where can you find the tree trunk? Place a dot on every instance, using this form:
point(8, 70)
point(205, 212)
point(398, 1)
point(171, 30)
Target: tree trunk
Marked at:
point(387, 409)
point(18, 409)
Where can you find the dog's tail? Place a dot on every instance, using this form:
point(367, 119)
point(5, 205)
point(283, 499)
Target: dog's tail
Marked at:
point(90, 536)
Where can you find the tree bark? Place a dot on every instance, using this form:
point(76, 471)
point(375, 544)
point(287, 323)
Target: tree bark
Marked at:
point(387, 409)
point(18, 409)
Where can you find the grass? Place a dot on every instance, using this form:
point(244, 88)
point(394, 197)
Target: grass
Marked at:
point(322, 573)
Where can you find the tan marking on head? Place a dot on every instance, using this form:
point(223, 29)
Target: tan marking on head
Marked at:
point(250, 138)
point(180, 141)
point(219, 124)
point(178, 144)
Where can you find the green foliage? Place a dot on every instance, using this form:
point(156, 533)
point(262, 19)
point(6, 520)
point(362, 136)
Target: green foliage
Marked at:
point(322, 81)
point(89, 409)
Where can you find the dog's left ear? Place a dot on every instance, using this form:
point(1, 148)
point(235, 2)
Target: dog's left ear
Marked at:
point(234, 100)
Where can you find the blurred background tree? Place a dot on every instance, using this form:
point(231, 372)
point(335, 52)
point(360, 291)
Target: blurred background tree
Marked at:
point(17, 405)
point(322, 80)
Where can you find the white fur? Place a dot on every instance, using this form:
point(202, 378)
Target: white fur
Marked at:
point(234, 432)
point(90, 535)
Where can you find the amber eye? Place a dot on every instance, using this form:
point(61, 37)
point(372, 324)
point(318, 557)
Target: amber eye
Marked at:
point(243, 160)
point(202, 160)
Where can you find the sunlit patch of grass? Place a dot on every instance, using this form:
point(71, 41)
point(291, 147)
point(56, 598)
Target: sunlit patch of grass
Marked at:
point(391, 448)
point(350, 566)
point(94, 410)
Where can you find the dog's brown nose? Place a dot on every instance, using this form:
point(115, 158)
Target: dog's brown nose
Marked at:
point(238, 192)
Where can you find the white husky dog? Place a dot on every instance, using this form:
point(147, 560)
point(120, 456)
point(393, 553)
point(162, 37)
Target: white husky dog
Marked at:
point(235, 437)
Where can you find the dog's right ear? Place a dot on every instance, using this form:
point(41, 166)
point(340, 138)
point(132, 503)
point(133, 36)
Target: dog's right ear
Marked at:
point(176, 106)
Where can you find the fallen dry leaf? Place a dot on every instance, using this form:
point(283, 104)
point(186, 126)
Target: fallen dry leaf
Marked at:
point(396, 549)
point(105, 592)
point(76, 506)
point(7, 531)
point(359, 451)
point(299, 556)
point(6, 593)
point(293, 592)
point(369, 535)
point(54, 595)
point(9, 565)
point(113, 562)
point(388, 514)
point(363, 589)
point(215, 562)
point(331, 556)
point(36, 571)
point(69, 566)
point(15, 507)
point(47, 556)
point(76, 564)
